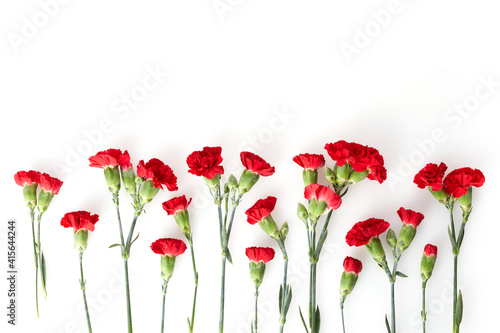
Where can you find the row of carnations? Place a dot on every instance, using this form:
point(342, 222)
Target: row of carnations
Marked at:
point(353, 163)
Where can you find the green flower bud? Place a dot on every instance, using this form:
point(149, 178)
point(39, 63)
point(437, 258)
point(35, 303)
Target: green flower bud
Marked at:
point(269, 226)
point(257, 271)
point(214, 182)
point(347, 283)
point(167, 267)
point(247, 181)
point(356, 177)
point(376, 249)
point(465, 200)
point(44, 199)
point(302, 212)
point(112, 176)
point(81, 238)
point(182, 219)
point(232, 182)
point(406, 236)
point(310, 177)
point(148, 191)
point(391, 238)
point(284, 230)
point(316, 208)
point(29, 193)
point(428, 261)
point(330, 175)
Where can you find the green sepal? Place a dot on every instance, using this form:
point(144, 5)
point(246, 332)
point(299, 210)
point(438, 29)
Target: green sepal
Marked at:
point(310, 177)
point(270, 227)
point(44, 199)
point(148, 191)
point(247, 181)
point(29, 193)
point(112, 176)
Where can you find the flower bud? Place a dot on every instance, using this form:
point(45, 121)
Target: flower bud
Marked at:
point(391, 238)
point(428, 261)
point(29, 193)
point(376, 249)
point(112, 176)
point(269, 226)
point(465, 200)
point(310, 176)
point(352, 267)
point(148, 191)
point(129, 180)
point(81, 237)
point(247, 180)
point(302, 212)
point(44, 199)
point(167, 267)
point(284, 230)
point(330, 175)
point(356, 177)
point(316, 208)
point(257, 270)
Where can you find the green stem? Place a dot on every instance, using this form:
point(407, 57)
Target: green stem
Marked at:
point(393, 310)
point(313, 297)
point(131, 232)
point(164, 289)
point(424, 316)
point(82, 284)
point(256, 309)
point(127, 292)
point(342, 314)
point(222, 286)
point(41, 257)
point(119, 220)
point(195, 272)
point(455, 291)
point(284, 288)
point(35, 252)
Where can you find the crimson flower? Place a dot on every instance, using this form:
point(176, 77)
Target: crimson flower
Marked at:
point(50, 184)
point(362, 232)
point(256, 164)
point(352, 265)
point(158, 172)
point(257, 254)
point(168, 247)
point(79, 220)
point(260, 210)
point(110, 158)
point(458, 181)
point(176, 204)
point(430, 250)
point(206, 162)
point(310, 161)
point(23, 178)
point(323, 193)
point(410, 217)
point(431, 175)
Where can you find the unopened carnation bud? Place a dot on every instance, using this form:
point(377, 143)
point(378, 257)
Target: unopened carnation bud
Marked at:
point(330, 175)
point(232, 182)
point(352, 267)
point(428, 261)
point(391, 238)
point(81, 237)
point(284, 230)
point(302, 212)
point(411, 220)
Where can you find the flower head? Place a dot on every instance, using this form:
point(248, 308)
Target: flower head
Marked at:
point(428, 261)
point(431, 176)
point(177, 204)
point(111, 158)
point(410, 217)
point(260, 210)
point(157, 172)
point(322, 199)
point(256, 254)
point(362, 232)
point(310, 161)
point(430, 250)
point(23, 178)
point(352, 265)
point(206, 162)
point(80, 220)
point(50, 184)
point(256, 164)
point(458, 182)
point(170, 247)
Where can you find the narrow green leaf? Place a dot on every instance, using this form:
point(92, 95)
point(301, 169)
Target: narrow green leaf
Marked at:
point(135, 239)
point(303, 321)
point(317, 322)
point(387, 324)
point(43, 274)
point(281, 299)
point(229, 258)
point(459, 309)
point(114, 245)
point(452, 240)
point(403, 275)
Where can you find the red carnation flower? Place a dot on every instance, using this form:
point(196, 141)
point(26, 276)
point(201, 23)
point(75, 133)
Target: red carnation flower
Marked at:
point(110, 158)
point(458, 181)
point(79, 220)
point(431, 175)
point(50, 184)
point(359, 157)
point(362, 232)
point(352, 265)
point(323, 193)
point(256, 164)
point(206, 162)
point(168, 247)
point(430, 250)
point(176, 204)
point(260, 210)
point(310, 161)
point(159, 173)
point(410, 217)
point(23, 178)
point(257, 254)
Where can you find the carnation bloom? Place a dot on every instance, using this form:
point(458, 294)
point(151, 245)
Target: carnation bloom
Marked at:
point(170, 247)
point(23, 178)
point(458, 181)
point(430, 250)
point(260, 210)
point(256, 164)
point(352, 265)
point(157, 172)
point(310, 161)
point(257, 254)
point(110, 158)
point(431, 176)
point(176, 204)
point(206, 162)
point(50, 184)
point(362, 232)
point(428, 261)
point(79, 220)
point(322, 194)
point(410, 217)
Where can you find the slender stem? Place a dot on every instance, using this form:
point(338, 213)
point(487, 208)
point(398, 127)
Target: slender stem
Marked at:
point(82, 284)
point(342, 314)
point(284, 288)
point(393, 310)
point(195, 272)
point(127, 291)
point(119, 222)
point(424, 316)
point(256, 309)
point(40, 257)
point(35, 252)
point(455, 292)
point(222, 286)
point(164, 289)
point(131, 233)
point(231, 221)
point(313, 297)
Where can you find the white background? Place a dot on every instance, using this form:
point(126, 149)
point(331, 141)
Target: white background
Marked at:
point(279, 79)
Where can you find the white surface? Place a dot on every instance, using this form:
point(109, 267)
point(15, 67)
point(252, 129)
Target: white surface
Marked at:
point(228, 79)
